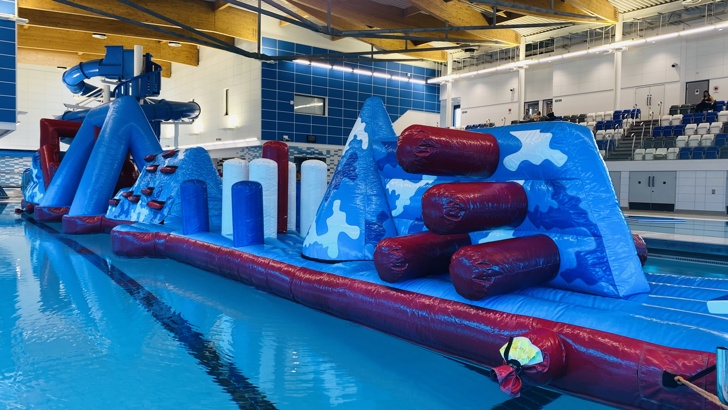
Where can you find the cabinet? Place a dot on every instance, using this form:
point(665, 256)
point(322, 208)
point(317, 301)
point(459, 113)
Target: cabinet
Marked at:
point(652, 190)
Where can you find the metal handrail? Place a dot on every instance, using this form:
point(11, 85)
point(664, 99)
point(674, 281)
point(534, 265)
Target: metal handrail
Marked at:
point(642, 135)
point(633, 139)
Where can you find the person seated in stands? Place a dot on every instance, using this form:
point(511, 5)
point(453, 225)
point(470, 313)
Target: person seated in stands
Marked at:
point(707, 104)
point(550, 116)
point(537, 116)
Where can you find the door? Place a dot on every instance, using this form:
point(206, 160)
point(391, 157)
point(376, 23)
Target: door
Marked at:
point(530, 108)
point(694, 91)
point(650, 99)
point(616, 178)
point(652, 190)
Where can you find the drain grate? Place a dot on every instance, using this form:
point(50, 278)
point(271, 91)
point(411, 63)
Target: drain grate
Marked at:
point(688, 259)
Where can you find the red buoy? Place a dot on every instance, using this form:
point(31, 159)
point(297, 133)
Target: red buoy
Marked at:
point(169, 169)
point(156, 205)
point(127, 194)
point(473, 206)
point(151, 168)
point(148, 190)
point(441, 151)
point(417, 255)
point(133, 198)
point(499, 267)
point(150, 157)
point(170, 153)
point(114, 201)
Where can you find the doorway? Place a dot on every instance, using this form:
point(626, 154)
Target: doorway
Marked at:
point(650, 100)
point(694, 91)
point(530, 108)
point(546, 105)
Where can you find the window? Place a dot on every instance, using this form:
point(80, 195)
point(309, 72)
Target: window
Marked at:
point(308, 104)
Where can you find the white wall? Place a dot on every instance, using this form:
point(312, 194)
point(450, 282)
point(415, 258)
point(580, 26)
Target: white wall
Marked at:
point(415, 117)
point(41, 94)
point(488, 98)
point(205, 84)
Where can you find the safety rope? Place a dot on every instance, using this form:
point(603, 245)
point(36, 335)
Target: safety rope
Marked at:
point(711, 397)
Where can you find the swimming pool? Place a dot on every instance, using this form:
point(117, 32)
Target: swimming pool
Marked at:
point(85, 329)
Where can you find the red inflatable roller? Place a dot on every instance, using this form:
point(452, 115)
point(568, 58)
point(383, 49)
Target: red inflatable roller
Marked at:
point(441, 151)
point(641, 246)
point(534, 359)
point(494, 268)
point(473, 206)
point(278, 152)
point(417, 255)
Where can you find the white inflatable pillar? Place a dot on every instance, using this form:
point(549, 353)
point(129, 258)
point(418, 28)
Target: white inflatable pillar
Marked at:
point(233, 170)
point(313, 188)
point(291, 196)
point(265, 171)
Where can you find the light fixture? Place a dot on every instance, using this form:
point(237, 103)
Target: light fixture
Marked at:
point(362, 72)
point(342, 68)
point(174, 44)
point(322, 65)
point(382, 75)
point(100, 36)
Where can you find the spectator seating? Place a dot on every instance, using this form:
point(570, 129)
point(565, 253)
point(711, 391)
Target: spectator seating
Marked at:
point(669, 142)
point(711, 116)
point(707, 140)
point(674, 109)
point(599, 135)
point(661, 153)
point(721, 140)
point(591, 117)
point(686, 108)
point(716, 127)
point(676, 119)
point(681, 141)
point(639, 154)
point(698, 117)
point(690, 129)
point(703, 128)
point(672, 153)
point(698, 153)
point(723, 153)
point(602, 153)
point(581, 118)
point(723, 116)
point(591, 125)
point(684, 153)
point(649, 154)
point(608, 115)
point(678, 129)
point(712, 152)
point(694, 140)
point(719, 105)
point(665, 120)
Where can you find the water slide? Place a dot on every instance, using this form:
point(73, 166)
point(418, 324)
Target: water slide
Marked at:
point(108, 134)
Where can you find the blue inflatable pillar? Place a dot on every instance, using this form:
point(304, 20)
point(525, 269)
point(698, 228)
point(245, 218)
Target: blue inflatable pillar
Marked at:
point(247, 198)
point(195, 215)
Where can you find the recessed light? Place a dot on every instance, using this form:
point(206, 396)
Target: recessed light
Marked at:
point(174, 44)
point(100, 36)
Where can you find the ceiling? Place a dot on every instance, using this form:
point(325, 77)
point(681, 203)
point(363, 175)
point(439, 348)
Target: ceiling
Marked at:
point(58, 32)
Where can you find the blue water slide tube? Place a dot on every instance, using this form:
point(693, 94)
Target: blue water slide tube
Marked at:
point(156, 110)
point(117, 63)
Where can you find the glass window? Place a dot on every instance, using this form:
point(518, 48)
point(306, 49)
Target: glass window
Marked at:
point(308, 104)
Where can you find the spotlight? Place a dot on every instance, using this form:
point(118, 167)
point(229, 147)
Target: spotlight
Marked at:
point(174, 44)
point(100, 36)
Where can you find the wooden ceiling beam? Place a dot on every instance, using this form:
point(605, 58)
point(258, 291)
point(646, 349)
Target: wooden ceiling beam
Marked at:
point(43, 38)
point(384, 44)
point(64, 60)
point(229, 21)
point(457, 14)
point(43, 18)
point(601, 9)
point(562, 10)
point(374, 14)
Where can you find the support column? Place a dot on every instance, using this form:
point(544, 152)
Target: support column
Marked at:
point(448, 96)
point(521, 80)
point(617, 65)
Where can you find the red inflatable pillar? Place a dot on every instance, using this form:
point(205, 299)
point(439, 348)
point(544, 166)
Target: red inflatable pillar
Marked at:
point(278, 152)
point(441, 151)
point(495, 268)
point(51, 132)
point(414, 256)
point(473, 206)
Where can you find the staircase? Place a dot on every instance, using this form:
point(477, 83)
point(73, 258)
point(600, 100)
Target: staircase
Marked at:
point(635, 134)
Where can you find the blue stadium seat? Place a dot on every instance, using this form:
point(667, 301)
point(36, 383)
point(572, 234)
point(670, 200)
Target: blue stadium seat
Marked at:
point(684, 153)
point(678, 130)
point(635, 113)
point(600, 125)
point(720, 140)
point(699, 153)
point(617, 115)
point(711, 116)
point(698, 117)
point(719, 105)
point(656, 131)
point(711, 152)
point(687, 119)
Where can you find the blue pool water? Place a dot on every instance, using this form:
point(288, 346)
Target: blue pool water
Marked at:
point(81, 328)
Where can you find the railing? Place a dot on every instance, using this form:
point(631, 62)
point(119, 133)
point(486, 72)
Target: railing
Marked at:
point(632, 151)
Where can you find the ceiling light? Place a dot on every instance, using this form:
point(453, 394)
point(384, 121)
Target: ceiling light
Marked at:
point(100, 36)
point(301, 61)
point(342, 68)
point(382, 75)
point(362, 72)
point(174, 44)
point(322, 65)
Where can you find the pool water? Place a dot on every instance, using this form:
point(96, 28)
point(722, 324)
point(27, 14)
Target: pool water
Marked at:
point(82, 328)
point(696, 227)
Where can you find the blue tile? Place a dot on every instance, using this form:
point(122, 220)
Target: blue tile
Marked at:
point(365, 88)
point(335, 93)
point(317, 50)
point(337, 75)
point(268, 125)
point(336, 140)
point(319, 129)
point(302, 119)
point(378, 81)
point(335, 103)
point(303, 79)
point(303, 89)
point(302, 128)
point(299, 137)
point(286, 66)
point(302, 49)
point(431, 107)
point(380, 91)
point(405, 94)
point(268, 135)
point(392, 92)
point(319, 120)
point(268, 94)
point(285, 81)
point(7, 89)
point(302, 69)
point(319, 81)
point(351, 95)
point(7, 102)
point(419, 70)
point(285, 126)
point(286, 46)
point(285, 116)
point(319, 91)
point(351, 104)
point(335, 112)
point(7, 48)
point(350, 86)
point(336, 84)
point(335, 121)
point(418, 105)
point(269, 73)
point(269, 42)
point(269, 51)
point(287, 97)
